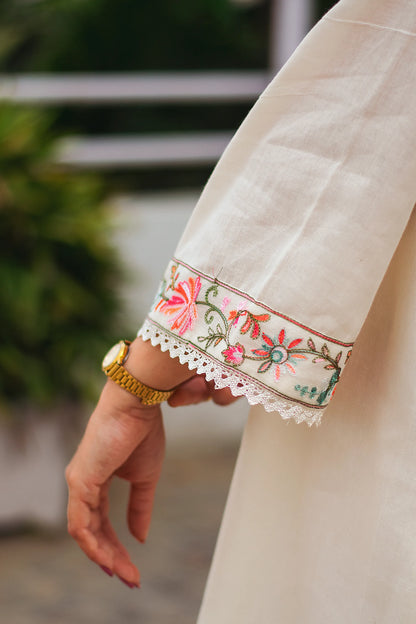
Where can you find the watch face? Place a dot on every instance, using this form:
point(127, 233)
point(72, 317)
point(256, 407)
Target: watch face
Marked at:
point(112, 354)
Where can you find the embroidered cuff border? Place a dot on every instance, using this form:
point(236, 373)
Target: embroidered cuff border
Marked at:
point(245, 345)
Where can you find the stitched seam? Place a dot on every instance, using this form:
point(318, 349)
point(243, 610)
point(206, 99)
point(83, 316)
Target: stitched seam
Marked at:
point(262, 305)
point(232, 379)
point(246, 343)
point(230, 370)
point(371, 25)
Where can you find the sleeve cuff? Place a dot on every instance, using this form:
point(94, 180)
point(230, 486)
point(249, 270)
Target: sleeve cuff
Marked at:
point(242, 344)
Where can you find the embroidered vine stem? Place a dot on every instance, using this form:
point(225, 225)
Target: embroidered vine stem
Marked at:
point(277, 354)
point(225, 334)
point(209, 318)
point(260, 358)
point(162, 293)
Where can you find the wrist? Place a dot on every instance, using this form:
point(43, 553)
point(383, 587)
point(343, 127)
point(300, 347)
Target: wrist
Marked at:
point(122, 403)
point(155, 368)
point(144, 371)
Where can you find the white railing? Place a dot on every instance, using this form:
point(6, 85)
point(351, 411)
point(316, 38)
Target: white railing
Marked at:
point(289, 21)
point(120, 152)
point(115, 152)
point(133, 88)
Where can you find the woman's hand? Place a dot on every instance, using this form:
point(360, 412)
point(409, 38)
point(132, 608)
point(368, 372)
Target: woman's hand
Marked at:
point(198, 389)
point(126, 439)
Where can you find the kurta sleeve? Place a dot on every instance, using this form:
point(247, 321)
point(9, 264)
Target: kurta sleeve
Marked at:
point(282, 257)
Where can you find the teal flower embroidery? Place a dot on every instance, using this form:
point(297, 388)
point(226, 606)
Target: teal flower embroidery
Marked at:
point(277, 351)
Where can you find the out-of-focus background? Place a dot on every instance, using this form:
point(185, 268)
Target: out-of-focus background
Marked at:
point(112, 116)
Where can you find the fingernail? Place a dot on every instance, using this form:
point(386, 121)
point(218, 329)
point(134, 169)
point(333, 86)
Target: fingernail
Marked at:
point(131, 585)
point(107, 570)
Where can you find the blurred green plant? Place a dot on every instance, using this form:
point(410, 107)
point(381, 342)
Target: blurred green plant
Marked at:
point(58, 270)
point(133, 35)
point(136, 36)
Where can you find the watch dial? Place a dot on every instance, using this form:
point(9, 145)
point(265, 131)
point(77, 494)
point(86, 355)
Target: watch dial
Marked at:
point(111, 355)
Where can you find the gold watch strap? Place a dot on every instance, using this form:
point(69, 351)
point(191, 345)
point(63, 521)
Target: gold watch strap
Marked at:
point(148, 396)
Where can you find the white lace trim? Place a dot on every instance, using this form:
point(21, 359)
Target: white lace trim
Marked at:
point(225, 377)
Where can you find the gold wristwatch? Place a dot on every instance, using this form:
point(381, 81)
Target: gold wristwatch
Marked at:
point(113, 367)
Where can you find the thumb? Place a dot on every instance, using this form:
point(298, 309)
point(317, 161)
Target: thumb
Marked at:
point(141, 501)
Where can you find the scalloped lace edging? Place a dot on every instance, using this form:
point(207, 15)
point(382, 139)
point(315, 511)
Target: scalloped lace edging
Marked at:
point(228, 378)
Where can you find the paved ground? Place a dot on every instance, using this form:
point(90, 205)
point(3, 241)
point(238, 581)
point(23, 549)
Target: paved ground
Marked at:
point(44, 578)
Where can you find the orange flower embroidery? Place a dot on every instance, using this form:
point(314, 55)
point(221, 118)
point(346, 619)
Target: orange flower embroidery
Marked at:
point(182, 305)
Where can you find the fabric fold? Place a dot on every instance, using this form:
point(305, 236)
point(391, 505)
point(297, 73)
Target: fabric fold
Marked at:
point(298, 223)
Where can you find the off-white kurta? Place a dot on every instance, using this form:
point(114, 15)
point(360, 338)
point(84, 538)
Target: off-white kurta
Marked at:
point(269, 288)
point(320, 524)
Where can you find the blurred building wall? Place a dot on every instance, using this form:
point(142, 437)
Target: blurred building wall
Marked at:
point(147, 230)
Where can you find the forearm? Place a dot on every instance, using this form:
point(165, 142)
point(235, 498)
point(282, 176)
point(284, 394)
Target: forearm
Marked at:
point(154, 367)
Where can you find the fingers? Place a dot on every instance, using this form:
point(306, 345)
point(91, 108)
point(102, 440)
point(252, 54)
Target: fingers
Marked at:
point(89, 525)
point(122, 564)
point(197, 390)
point(193, 391)
point(143, 471)
point(111, 438)
point(223, 396)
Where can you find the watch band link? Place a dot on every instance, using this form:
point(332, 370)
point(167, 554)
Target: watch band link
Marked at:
point(148, 396)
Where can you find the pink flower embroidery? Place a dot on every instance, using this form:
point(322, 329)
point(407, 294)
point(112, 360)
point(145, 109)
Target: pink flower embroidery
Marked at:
point(234, 354)
point(182, 305)
point(225, 303)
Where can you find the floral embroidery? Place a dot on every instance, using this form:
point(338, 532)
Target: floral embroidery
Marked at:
point(225, 303)
point(261, 343)
point(279, 351)
point(234, 354)
point(182, 304)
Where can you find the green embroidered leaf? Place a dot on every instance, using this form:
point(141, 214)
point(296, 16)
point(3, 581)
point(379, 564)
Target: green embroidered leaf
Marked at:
point(311, 344)
point(264, 367)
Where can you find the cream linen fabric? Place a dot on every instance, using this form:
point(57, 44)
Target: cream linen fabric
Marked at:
point(301, 217)
point(320, 524)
